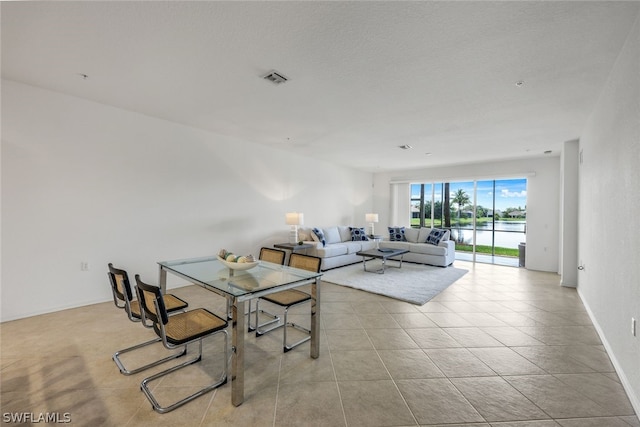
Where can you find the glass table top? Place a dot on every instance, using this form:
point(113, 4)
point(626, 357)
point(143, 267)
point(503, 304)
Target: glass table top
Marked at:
point(210, 272)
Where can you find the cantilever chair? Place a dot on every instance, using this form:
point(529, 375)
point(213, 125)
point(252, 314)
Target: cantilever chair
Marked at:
point(275, 256)
point(288, 299)
point(177, 331)
point(123, 299)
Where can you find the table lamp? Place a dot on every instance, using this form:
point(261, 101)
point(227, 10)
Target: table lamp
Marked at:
point(371, 218)
point(294, 219)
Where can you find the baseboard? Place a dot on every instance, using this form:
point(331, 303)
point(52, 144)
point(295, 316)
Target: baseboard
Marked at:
point(74, 305)
point(55, 309)
point(633, 398)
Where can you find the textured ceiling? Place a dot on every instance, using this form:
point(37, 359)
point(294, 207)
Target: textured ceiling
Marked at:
point(365, 77)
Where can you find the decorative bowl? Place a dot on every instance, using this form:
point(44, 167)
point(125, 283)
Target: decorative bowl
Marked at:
point(238, 265)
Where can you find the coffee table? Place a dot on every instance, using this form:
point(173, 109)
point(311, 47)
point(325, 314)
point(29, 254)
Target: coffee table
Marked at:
point(382, 254)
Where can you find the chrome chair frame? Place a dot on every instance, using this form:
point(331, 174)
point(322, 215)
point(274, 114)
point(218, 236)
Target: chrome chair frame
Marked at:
point(273, 298)
point(275, 256)
point(126, 295)
point(160, 318)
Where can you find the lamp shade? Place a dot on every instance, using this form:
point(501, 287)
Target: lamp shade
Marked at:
point(294, 218)
point(371, 217)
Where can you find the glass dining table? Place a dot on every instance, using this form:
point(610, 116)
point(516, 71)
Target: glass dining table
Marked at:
point(241, 286)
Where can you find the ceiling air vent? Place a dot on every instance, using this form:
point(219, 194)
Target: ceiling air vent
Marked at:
point(275, 77)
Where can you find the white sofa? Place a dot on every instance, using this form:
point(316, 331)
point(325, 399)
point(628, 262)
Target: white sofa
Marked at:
point(420, 250)
point(339, 249)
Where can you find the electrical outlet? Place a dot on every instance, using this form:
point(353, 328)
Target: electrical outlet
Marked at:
point(633, 326)
point(84, 266)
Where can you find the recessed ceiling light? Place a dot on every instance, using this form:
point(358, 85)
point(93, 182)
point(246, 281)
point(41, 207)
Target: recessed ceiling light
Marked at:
point(520, 83)
point(405, 147)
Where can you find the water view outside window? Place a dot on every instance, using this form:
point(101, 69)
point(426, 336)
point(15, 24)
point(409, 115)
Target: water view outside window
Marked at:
point(490, 214)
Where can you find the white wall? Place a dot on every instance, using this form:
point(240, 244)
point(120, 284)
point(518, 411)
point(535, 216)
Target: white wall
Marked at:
point(569, 214)
point(543, 175)
point(609, 226)
point(83, 181)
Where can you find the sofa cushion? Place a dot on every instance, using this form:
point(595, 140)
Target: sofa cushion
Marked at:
point(395, 245)
point(345, 233)
point(358, 234)
point(319, 236)
point(396, 234)
point(435, 236)
point(353, 247)
point(332, 235)
point(335, 249)
point(422, 248)
point(411, 234)
point(369, 244)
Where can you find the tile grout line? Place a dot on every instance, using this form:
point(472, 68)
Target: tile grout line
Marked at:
point(275, 404)
point(335, 378)
point(415, 419)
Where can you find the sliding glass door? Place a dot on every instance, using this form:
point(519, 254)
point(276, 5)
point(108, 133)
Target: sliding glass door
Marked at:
point(487, 218)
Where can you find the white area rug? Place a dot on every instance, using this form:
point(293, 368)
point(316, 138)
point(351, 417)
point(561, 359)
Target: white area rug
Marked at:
point(414, 283)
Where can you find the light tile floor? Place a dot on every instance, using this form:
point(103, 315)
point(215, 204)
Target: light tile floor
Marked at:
point(501, 347)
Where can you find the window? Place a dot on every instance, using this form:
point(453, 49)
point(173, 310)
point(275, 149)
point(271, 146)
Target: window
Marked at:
point(427, 205)
point(487, 219)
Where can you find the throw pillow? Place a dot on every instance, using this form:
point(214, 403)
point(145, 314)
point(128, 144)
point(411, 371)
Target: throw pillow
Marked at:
point(345, 233)
point(331, 235)
point(358, 234)
point(411, 234)
point(424, 233)
point(396, 234)
point(320, 235)
point(303, 235)
point(435, 236)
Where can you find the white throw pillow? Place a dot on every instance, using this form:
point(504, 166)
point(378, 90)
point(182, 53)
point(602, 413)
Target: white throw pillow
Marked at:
point(345, 233)
point(411, 234)
point(424, 233)
point(332, 235)
point(304, 234)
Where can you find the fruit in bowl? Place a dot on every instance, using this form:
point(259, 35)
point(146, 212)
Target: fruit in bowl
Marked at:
point(236, 262)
